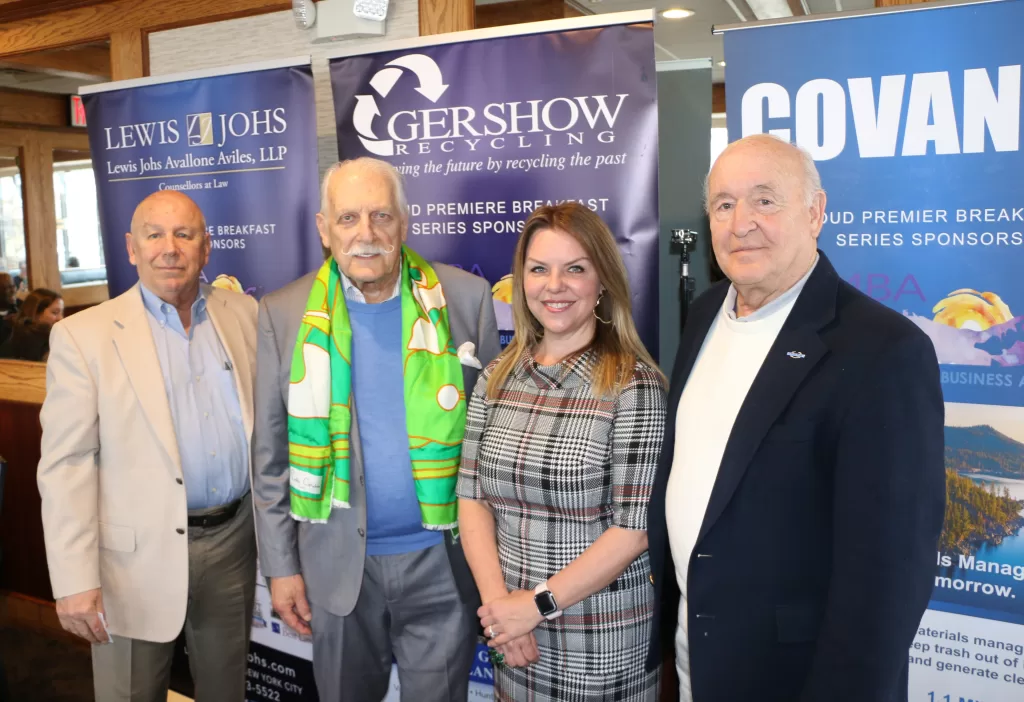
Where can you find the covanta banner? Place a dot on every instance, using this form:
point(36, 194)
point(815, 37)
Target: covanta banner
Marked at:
point(913, 119)
point(486, 131)
point(241, 144)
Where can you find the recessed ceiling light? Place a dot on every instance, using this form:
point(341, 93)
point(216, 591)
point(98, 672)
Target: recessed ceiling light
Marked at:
point(677, 13)
point(721, 64)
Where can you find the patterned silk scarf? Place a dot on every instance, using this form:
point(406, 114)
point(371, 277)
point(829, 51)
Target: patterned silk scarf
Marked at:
point(320, 397)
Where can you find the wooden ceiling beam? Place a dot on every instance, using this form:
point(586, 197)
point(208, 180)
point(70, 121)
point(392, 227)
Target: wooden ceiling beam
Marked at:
point(14, 10)
point(129, 54)
point(83, 25)
point(443, 16)
point(796, 7)
point(32, 108)
point(85, 62)
point(505, 13)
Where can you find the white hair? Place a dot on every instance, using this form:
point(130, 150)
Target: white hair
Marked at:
point(382, 167)
point(811, 179)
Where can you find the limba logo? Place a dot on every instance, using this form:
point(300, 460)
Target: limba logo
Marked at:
point(532, 122)
point(199, 128)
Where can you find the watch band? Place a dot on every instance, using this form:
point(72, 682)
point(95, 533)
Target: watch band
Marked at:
point(538, 592)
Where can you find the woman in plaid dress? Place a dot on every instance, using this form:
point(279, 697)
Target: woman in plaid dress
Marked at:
point(563, 435)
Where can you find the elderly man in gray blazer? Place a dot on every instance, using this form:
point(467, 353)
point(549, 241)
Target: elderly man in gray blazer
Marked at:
point(355, 517)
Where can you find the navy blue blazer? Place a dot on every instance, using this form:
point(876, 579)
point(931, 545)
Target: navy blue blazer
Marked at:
point(816, 556)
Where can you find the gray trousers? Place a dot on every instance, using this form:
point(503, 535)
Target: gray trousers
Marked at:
point(408, 607)
point(221, 591)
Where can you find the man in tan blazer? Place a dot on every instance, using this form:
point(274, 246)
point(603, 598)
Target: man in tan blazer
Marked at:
point(145, 470)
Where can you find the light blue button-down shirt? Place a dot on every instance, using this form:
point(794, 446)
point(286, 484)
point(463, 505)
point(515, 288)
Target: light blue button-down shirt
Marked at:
point(204, 403)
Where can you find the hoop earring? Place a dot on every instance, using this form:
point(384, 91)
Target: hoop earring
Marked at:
point(596, 316)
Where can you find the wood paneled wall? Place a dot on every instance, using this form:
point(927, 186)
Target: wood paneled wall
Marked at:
point(21, 526)
point(505, 13)
point(443, 16)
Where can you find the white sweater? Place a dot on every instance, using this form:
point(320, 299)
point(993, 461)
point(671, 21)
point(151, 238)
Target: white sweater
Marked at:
point(729, 360)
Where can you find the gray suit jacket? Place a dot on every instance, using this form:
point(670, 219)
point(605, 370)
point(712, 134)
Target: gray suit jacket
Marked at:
point(330, 556)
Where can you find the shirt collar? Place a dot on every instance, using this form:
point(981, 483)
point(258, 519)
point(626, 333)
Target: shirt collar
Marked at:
point(569, 372)
point(772, 307)
point(165, 312)
point(356, 295)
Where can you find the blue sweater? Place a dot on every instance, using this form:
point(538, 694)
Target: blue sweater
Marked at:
point(393, 522)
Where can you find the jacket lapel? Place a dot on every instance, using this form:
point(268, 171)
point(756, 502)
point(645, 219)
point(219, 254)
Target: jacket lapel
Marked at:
point(233, 340)
point(779, 378)
point(133, 340)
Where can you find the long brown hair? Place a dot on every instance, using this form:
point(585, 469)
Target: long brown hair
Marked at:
point(617, 344)
point(36, 302)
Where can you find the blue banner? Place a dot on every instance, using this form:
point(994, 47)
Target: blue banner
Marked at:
point(486, 131)
point(242, 145)
point(913, 119)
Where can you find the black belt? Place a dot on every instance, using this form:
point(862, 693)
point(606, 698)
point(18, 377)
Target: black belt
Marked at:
point(216, 518)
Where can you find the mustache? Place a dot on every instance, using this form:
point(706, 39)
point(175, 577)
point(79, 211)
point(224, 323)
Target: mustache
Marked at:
point(368, 250)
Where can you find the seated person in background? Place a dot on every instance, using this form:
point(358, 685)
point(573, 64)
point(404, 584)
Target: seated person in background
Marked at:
point(21, 282)
point(30, 333)
point(8, 305)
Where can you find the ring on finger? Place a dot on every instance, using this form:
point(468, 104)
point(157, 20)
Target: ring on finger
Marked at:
point(490, 632)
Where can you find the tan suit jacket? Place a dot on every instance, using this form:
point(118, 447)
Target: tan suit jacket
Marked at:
point(114, 507)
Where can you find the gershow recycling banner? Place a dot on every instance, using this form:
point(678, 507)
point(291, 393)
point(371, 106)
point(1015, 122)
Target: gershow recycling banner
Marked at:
point(913, 119)
point(486, 131)
point(241, 144)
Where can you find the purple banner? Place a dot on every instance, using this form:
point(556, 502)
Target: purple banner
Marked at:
point(242, 145)
point(486, 131)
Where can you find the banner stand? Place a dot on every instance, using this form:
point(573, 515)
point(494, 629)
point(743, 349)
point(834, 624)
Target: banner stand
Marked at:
point(487, 125)
point(919, 151)
point(240, 141)
point(684, 116)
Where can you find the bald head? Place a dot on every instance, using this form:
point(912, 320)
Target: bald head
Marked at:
point(169, 246)
point(766, 208)
point(163, 199)
point(792, 160)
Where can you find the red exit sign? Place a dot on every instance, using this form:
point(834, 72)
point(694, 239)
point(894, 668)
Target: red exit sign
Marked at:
point(77, 112)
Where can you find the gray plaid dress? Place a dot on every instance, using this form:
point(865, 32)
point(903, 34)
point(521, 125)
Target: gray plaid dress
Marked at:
point(558, 467)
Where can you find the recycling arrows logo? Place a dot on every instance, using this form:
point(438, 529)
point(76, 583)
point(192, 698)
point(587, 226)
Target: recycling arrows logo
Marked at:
point(431, 86)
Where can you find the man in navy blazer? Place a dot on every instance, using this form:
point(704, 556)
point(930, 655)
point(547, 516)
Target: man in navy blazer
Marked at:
point(801, 488)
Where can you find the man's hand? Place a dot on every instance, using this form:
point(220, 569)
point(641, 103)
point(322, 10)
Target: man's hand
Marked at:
point(520, 652)
point(288, 598)
point(80, 614)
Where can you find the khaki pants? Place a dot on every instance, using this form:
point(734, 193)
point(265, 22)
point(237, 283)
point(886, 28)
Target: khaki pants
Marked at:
point(221, 591)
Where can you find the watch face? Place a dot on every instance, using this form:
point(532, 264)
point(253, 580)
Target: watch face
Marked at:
point(545, 603)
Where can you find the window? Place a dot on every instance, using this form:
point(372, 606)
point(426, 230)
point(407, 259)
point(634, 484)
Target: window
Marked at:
point(79, 244)
point(719, 140)
point(12, 218)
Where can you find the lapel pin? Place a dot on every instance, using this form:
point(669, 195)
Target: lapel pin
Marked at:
point(796, 354)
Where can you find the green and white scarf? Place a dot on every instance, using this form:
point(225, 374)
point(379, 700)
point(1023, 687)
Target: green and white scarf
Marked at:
point(320, 398)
